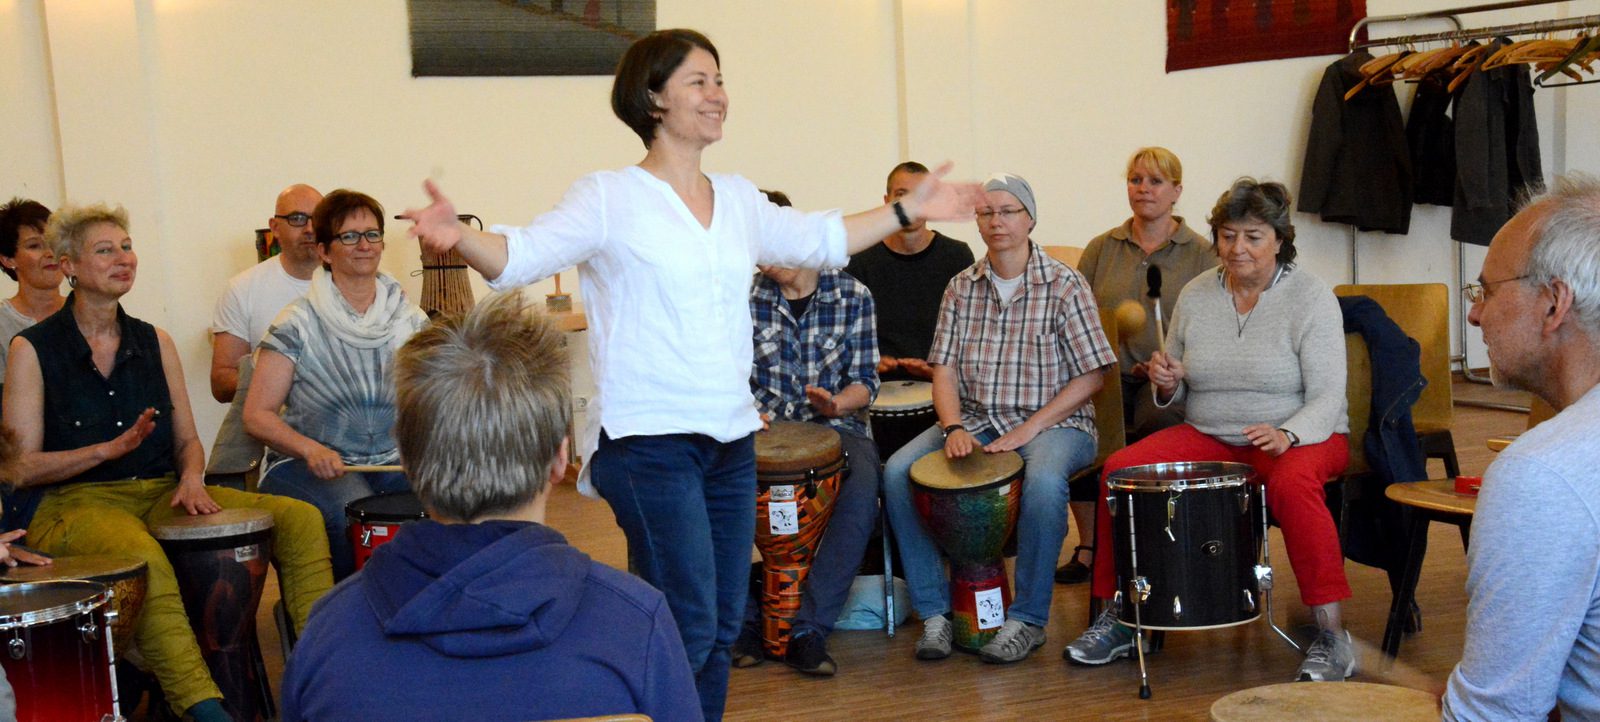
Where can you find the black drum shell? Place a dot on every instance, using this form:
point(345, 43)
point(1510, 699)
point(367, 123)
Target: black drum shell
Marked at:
point(1207, 566)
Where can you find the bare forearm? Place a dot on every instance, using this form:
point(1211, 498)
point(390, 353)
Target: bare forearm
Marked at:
point(852, 399)
point(1075, 394)
point(38, 468)
point(865, 229)
point(946, 397)
point(224, 383)
point(270, 429)
point(485, 252)
point(190, 458)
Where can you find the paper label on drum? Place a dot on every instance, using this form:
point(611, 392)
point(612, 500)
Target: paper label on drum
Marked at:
point(783, 517)
point(991, 608)
point(246, 553)
point(380, 531)
point(782, 493)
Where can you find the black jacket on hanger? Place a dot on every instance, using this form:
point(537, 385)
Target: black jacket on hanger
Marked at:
point(1431, 134)
point(1497, 150)
point(1358, 166)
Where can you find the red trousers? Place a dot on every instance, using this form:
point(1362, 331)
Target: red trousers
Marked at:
point(1295, 497)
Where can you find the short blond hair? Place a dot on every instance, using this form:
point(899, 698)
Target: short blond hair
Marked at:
point(70, 225)
point(1164, 161)
point(482, 406)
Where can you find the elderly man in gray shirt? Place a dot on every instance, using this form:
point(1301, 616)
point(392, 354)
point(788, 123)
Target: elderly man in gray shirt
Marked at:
point(1533, 571)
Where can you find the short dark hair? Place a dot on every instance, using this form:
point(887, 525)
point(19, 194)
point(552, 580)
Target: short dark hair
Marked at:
point(1250, 199)
point(644, 69)
point(909, 166)
point(778, 198)
point(337, 206)
point(19, 213)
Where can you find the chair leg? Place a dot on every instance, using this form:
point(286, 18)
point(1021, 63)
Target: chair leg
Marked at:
point(1441, 445)
point(888, 573)
point(1416, 547)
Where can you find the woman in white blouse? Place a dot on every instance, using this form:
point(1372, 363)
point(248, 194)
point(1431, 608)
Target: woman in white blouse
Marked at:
point(666, 252)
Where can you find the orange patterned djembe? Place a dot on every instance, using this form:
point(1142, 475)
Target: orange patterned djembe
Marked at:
point(798, 469)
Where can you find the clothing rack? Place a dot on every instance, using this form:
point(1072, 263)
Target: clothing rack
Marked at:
point(1462, 33)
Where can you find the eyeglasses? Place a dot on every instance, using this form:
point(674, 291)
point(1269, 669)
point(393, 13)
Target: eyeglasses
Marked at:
point(296, 219)
point(1005, 214)
point(1475, 292)
point(351, 238)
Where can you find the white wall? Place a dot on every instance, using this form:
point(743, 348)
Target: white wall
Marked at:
point(194, 113)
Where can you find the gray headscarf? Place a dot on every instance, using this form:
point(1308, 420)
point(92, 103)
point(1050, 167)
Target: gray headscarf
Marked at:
point(1015, 185)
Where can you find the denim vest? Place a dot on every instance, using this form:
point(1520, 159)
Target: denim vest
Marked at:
point(82, 408)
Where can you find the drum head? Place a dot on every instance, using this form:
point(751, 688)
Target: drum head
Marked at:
point(974, 471)
point(903, 396)
point(388, 506)
point(791, 446)
point(225, 523)
point(1181, 475)
point(91, 567)
point(24, 605)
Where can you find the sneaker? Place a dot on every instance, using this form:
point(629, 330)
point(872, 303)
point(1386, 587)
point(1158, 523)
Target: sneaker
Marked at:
point(1106, 640)
point(1331, 658)
point(936, 636)
point(1074, 571)
point(1015, 641)
point(808, 653)
point(747, 650)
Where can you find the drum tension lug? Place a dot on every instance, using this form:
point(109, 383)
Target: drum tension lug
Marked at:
point(1141, 587)
point(811, 482)
point(1263, 577)
point(88, 629)
point(17, 647)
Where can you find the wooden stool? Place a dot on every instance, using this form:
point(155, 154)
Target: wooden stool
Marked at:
point(1425, 501)
point(1319, 701)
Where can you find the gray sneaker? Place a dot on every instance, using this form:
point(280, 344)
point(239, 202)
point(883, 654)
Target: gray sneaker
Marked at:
point(1331, 658)
point(936, 635)
point(1106, 640)
point(1013, 643)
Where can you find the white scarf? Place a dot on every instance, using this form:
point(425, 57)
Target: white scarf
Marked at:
point(373, 329)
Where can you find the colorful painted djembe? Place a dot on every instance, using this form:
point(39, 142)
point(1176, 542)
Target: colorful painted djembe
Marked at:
point(220, 561)
point(970, 506)
point(126, 576)
point(798, 468)
point(57, 654)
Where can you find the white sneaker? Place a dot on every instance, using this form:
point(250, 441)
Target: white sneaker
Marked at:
point(936, 636)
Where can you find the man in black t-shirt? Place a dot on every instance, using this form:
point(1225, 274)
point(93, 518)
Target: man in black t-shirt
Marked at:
point(907, 274)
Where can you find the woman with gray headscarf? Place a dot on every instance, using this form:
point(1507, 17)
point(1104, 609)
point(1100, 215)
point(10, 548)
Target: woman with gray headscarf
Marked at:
point(327, 362)
point(1257, 350)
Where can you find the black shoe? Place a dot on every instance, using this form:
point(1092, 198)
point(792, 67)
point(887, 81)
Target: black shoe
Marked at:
point(809, 653)
point(1074, 571)
point(747, 650)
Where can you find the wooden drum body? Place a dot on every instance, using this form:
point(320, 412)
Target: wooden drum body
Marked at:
point(220, 561)
point(970, 508)
point(127, 577)
point(374, 520)
point(1195, 527)
point(57, 652)
point(798, 470)
point(902, 410)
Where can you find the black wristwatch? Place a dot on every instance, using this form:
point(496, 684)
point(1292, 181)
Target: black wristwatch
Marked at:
point(900, 214)
point(946, 430)
point(1293, 440)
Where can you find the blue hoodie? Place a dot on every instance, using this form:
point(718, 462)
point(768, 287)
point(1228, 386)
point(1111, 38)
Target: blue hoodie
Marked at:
point(499, 620)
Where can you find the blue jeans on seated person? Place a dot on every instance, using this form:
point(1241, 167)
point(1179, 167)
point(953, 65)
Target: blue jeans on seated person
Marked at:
point(294, 479)
point(1049, 460)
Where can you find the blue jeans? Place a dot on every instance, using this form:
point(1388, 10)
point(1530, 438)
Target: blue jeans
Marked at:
point(687, 504)
point(1050, 459)
point(294, 479)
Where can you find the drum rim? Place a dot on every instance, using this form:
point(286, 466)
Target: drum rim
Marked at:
point(139, 569)
point(874, 409)
point(1231, 474)
point(173, 530)
point(768, 479)
point(100, 596)
point(366, 515)
point(1014, 476)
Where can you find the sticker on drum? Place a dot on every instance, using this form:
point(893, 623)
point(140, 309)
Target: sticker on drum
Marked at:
point(783, 517)
point(991, 608)
point(247, 553)
point(782, 492)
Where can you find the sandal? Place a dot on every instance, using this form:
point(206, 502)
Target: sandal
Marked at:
point(1074, 571)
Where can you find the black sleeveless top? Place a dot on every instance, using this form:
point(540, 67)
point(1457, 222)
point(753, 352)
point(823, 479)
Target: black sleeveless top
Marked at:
point(82, 408)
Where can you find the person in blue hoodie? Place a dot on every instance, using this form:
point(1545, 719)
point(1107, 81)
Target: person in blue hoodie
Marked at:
point(482, 612)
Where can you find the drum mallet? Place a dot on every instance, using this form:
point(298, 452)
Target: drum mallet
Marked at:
point(1152, 278)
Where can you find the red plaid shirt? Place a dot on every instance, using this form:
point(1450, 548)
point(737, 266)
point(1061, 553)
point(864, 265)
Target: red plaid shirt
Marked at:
point(1010, 360)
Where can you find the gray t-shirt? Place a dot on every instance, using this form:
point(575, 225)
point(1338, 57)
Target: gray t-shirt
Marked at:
point(12, 322)
point(1533, 578)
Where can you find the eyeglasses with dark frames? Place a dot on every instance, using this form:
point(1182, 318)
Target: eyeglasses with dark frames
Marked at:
point(351, 238)
point(296, 219)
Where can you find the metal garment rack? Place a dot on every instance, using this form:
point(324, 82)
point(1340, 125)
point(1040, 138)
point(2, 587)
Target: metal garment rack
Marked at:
point(1462, 33)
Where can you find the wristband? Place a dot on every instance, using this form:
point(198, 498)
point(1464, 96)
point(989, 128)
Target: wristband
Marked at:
point(900, 214)
point(946, 430)
point(1293, 440)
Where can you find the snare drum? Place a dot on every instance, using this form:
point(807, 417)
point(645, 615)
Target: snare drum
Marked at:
point(798, 470)
point(220, 561)
point(374, 520)
point(126, 576)
point(57, 653)
point(970, 507)
point(902, 410)
point(1196, 529)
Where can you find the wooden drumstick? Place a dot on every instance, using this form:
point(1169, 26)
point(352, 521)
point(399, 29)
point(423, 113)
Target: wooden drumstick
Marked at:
point(1152, 279)
point(373, 468)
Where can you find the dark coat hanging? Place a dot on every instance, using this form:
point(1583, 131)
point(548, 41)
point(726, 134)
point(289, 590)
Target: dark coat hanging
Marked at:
point(1358, 166)
point(1497, 150)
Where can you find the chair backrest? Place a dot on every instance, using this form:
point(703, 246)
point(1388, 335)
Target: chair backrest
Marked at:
point(1358, 393)
point(1108, 400)
point(1539, 411)
point(1422, 311)
point(1065, 254)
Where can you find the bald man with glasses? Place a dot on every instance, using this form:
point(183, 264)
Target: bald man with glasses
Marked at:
point(253, 299)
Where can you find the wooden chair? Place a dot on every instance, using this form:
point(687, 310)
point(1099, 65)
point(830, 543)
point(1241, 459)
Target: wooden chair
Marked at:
point(1538, 412)
point(1065, 254)
point(1422, 311)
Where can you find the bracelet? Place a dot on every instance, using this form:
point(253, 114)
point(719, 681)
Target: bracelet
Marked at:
point(946, 430)
point(900, 214)
point(1293, 440)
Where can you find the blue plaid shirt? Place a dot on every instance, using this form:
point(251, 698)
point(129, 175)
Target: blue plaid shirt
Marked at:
point(834, 345)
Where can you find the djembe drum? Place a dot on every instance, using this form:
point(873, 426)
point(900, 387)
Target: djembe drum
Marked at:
point(57, 653)
point(374, 520)
point(798, 469)
point(970, 506)
point(220, 561)
point(902, 410)
point(127, 577)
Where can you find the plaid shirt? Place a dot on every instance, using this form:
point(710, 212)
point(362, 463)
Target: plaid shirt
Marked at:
point(1010, 360)
point(834, 345)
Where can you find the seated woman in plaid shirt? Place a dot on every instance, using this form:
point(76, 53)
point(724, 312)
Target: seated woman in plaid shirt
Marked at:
point(816, 359)
point(1015, 363)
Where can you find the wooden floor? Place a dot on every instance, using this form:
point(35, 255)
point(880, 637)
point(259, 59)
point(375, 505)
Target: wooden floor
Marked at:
point(879, 678)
